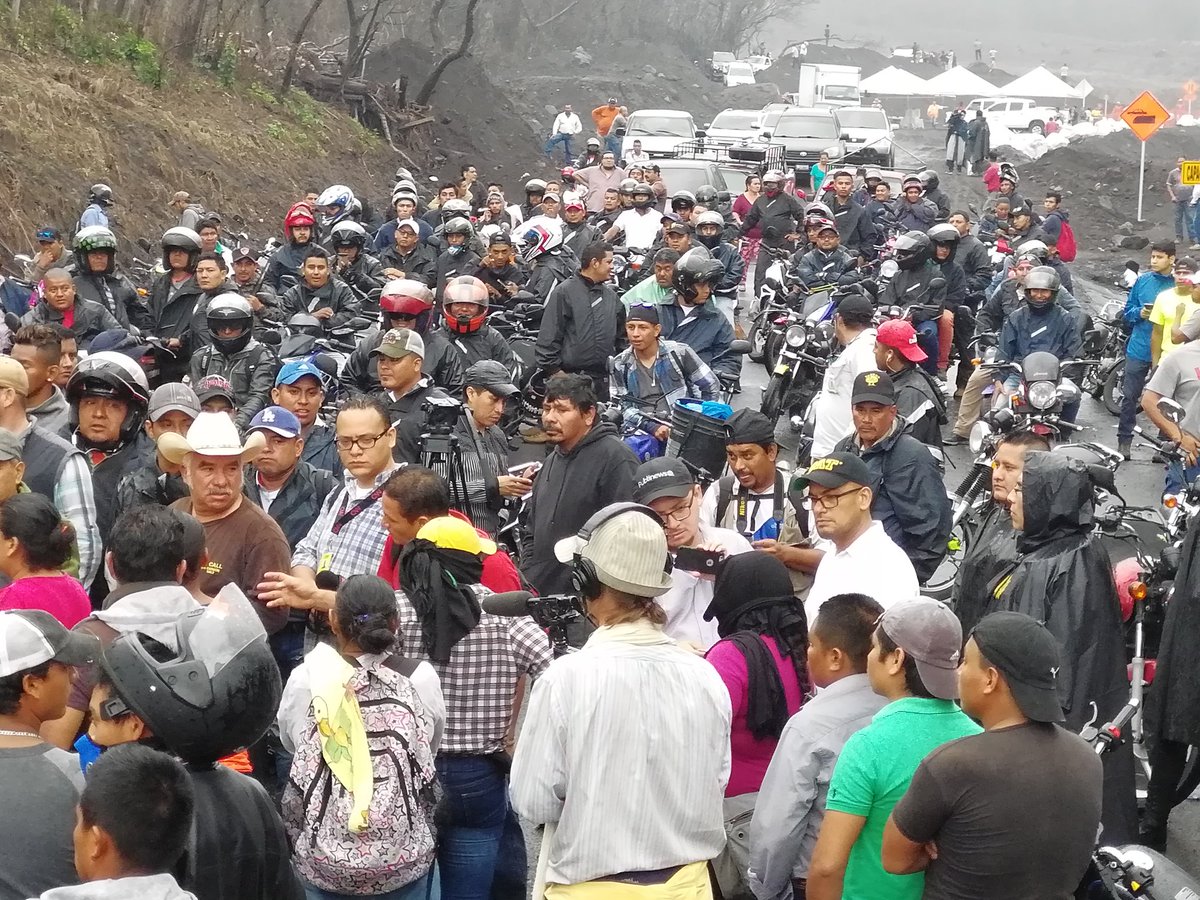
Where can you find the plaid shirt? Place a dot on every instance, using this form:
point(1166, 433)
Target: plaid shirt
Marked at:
point(358, 545)
point(481, 677)
point(678, 370)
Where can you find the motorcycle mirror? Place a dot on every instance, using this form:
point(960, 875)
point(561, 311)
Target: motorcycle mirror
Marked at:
point(724, 196)
point(937, 284)
point(766, 135)
point(741, 348)
point(1171, 410)
point(271, 338)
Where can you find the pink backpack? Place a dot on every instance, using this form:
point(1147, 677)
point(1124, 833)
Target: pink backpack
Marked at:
point(398, 845)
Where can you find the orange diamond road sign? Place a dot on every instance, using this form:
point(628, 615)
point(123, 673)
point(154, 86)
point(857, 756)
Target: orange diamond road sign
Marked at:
point(1145, 115)
point(1189, 90)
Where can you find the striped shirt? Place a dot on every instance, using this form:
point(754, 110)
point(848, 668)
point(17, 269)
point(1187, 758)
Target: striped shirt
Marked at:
point(626, 747)
point(358, 545)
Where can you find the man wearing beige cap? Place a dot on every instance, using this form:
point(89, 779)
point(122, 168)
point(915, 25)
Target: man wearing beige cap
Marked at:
point(243, 542)
point(405, 389)
point(665, 714)
point(53, 468)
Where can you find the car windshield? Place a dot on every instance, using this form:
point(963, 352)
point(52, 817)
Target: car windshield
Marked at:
point(806, 127)
point(862, 118)
point(841, 92)
point(722, 56)
point(689, 178)
point(737, 120)
point(741, 68)
point(661, 126)
point(771, 119)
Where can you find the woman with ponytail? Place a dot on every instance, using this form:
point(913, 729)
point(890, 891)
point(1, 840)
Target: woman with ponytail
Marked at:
point(35, 545)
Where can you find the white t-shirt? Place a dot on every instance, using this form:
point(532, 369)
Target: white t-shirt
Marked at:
point(833, 418)
point(690, 594)
point(873, 565)
point(267, 497)
point(640, 230)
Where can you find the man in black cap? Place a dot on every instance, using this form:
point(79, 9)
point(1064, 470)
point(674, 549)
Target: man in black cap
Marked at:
point(854, 329)
point(1013, 812)
point(753, 500)
point(910, 499)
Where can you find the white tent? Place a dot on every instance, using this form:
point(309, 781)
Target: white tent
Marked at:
point(960, 82)
point(894, 82)
point(1041, 83)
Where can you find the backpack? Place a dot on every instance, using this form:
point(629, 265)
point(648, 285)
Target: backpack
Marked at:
point(1066, 243)
point(398, 846)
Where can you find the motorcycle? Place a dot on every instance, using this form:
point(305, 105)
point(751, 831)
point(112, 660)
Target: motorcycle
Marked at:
point(772, 300)
point(628, 267)
point(1105, 341)
point(1037, 402)
point(806, 347)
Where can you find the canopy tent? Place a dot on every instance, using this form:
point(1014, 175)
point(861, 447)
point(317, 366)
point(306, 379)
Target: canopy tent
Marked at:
point(1041, 83)
point(894, 82)
point(960, 82)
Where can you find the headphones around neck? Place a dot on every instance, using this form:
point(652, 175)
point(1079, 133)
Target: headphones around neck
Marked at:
point(585, 580)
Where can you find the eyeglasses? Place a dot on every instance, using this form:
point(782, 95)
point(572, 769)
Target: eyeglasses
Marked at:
point(828, 501)
point(366, 442)
point(680, 513)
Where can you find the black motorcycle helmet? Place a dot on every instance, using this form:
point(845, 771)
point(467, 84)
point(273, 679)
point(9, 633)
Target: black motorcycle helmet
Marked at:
point(218, 694)
point(90, 240)
point(912, 249)
point(109, 373)
point(929, 179)
point(706, 196)
point(1045, 278)
point(348, 233)
point(695, 267)
point(180, 238)
point(593, 144)
point(643, 195)
point(628, 186)
point(945, 235)
point(534, 187)
point(230, 310)
point(682, 200)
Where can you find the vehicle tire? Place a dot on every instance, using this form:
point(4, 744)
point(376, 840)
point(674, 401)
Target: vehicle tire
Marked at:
point(1190, 779)
point(771, 348)
point(758, 341)
point(1037, 128)
point(773, 394)
point(940, 585)
point(1114, 393)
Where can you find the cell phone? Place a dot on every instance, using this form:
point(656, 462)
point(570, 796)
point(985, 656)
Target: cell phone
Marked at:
point(531, 467)
point(702, 562)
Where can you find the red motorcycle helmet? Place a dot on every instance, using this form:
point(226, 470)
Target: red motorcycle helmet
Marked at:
point(465, 289)
point(299, 215)
point(405, 297)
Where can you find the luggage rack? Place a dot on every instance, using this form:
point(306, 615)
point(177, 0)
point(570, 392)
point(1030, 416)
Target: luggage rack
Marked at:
point(756, 157)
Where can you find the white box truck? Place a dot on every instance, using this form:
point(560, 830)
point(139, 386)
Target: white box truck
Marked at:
point(822, 84)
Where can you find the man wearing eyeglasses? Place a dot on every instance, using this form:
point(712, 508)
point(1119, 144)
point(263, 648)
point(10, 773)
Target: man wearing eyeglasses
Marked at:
point(865, 560)
point(348, 536)
point(668, 487)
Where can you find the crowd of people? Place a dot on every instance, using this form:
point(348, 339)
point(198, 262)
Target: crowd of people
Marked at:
point(251, 643)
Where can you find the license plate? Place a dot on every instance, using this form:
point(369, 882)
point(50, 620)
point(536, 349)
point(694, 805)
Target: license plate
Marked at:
point(781, 369)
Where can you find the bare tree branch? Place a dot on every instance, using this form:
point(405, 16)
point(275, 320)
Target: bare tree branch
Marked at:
point(289, 71)
point(561, 12)
point(430, 84)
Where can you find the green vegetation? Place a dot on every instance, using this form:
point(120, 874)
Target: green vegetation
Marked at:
point(100, 41)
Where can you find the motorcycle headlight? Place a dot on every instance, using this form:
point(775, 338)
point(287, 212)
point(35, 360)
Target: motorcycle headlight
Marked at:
point(979, 433)
point(795, 337)
point(1067, 392)
point(889, 268)
point(1042, 394)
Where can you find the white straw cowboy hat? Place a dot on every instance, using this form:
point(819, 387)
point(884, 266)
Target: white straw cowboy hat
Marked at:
point(211, 434)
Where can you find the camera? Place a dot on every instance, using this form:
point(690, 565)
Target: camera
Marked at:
point(441, 414)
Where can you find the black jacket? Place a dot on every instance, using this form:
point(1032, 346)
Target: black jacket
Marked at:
point(442, 363)
point(921, 403)
point(583, 325)
point(272, 313)
point(972, 254)
point(941, 200)
point(1007, 300)
point(1063, 577)
point(497, 280)
point(579, 235)
point(706, 330)
point(1027, 330)
point(334, 295)
point(451, 265)
point(989, 555)
point(283, 272)
point(116, 294)
point(549, 271)
point(776, 216)
point(569, 490)
point(856, 228)
point(90, 319)
point(408, 417)
point(814, 268)
point(320, 451)
point(915, 286)
point(486, 343)
point(419, 264)
point(171, 316)
point(251, 372)
point(910, 497)
point(956, 283)
point(914, 216)
point(365, 279)
point(1173, 709)
point(148, 485)
point(298, 502)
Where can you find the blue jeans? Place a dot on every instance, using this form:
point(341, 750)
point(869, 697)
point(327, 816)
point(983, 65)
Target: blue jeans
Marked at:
point(612, 144)
point(427, 888)
point(1181, 219)
point(927, 339)
point(480, 848)
point(287, 646)
point(1178, 478)
point(555, 140)
point(1196, 224)
point(1137, 371)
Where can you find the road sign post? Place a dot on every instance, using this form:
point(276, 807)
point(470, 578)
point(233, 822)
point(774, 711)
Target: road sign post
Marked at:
point(1144, 116)
point(1189, 93)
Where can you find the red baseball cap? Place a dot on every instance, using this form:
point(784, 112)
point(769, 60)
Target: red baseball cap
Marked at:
point(901, 337)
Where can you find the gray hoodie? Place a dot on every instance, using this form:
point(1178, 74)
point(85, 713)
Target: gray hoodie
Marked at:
point(142, 887)
point(53, 413)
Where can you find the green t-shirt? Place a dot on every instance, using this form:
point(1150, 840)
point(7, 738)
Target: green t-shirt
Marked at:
point(872, 775)
point(647, 292)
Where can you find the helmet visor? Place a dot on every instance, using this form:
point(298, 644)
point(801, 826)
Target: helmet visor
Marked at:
point(228, 625)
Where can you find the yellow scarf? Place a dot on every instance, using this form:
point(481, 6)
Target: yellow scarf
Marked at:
point(340, 727)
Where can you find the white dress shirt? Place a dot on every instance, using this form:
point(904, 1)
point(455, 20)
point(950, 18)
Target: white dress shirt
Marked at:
point(873, 565)
point(566, 123)
point(690, 593)
point(626, 747)
point(833, 418)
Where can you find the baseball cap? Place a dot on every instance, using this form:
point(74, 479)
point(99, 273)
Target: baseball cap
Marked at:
point(409, 224)
point(277, 420)
point(873, 387)
point(399, 343)
point(833, 471)
point(1027, 655)
point(1186, 264)
point(551, 195)
point(1021, 209)
point(12, 375)
point(901, 337)
point(929, 632)
point(574, 201)
point(487, 373)
point(662, 477)
point(49, 233)
point(243, 253)
point(297, 369)
point(677, 228)
point(855, 305)
point(642, 312)
point(749, 426)
point(32, 637)
point(450, 533)
point(173, 397)
point(10, 445)
point(669, 217)
point(628, 551)
point(214, 386)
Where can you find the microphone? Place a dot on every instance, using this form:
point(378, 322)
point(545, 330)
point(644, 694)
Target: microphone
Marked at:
point(510, 604)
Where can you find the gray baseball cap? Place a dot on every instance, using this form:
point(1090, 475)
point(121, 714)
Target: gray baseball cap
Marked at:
point(929, 632)
point(10, 445)
point(173, 397)
point(31, 637)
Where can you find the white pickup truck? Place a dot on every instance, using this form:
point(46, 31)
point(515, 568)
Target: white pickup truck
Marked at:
point(1014, 113)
